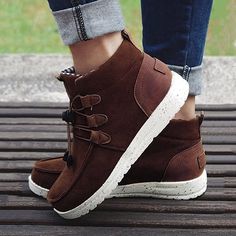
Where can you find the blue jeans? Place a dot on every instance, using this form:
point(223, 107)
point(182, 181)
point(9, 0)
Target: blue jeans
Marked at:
point(57, 5)
point(173, 31)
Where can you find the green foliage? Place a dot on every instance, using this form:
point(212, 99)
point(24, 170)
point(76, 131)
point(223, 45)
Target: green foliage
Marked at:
point(27, 26)
point(221, 38)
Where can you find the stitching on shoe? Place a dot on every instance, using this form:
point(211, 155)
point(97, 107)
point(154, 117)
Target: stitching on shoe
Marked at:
point(178, 155)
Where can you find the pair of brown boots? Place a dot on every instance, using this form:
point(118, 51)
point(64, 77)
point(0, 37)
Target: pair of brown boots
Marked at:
point(114, 114)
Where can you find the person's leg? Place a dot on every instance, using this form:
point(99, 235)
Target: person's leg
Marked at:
point(115, 111)
point(79, 21)
point(107, 108)
point(85, 53)
point(175, 32)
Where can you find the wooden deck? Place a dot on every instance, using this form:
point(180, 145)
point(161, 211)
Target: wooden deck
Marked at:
point(29, 132)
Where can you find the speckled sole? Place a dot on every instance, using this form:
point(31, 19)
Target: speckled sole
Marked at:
point(182, 190)
point(36, 189)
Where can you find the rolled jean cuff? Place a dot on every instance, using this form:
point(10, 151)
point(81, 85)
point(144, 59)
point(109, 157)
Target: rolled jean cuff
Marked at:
point(193, 75)
point(88, 21)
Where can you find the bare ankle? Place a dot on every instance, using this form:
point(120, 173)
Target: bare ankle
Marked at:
point(187, 112)
point(89, 55)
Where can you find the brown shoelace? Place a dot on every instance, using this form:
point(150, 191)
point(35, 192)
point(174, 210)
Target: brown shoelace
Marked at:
point(84, 126)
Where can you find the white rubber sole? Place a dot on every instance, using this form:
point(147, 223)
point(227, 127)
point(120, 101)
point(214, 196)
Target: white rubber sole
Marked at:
point(182, 190)
point(36, 189)
point(159, 119)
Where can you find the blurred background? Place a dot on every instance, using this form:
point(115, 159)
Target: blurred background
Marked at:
point(27, 26)
point(32, 53)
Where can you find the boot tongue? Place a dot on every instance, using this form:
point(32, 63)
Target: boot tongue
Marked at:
point(111, 71)
point(68, 77)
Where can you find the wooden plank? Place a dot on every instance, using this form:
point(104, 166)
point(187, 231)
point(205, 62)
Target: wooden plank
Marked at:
point(11, 156)
point(56, 113)
point(220, 115)
point(18, 188)
point(21, 202)
point(199, 107)
point(217, 130)
point(219, 194)
point(28, 155)
point(215, 107)
point(215, 182)
point(220, 149)
point(51, 105)
point(219, 139)
point(129, 205)
point(58, 121)
point(221, 182)
point(167, 206)
point(13, 177)
point(62, 136)
point(28, 120)
point(16, 166)
point(23, 230)
point(219, 123)
point(33, 136)
point(212, 194)
point(26, 166)
point(61, 146)
point(206, 130)
point(221, 170)
point(30, 146)
point(221, 159)
point(33, 128)
point(135, 219)
point(34, 104)
point(31, 112)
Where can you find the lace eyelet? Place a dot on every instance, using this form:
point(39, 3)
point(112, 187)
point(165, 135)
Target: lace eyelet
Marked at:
point(69, 161)
point(65, 157)
point(68, 116)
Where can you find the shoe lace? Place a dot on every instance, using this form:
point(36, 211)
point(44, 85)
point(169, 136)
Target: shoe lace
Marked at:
point(82, 125)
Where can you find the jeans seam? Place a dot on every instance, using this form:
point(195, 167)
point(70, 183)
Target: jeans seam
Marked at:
point(79, 21)
point(76, 23)
point(185, 71)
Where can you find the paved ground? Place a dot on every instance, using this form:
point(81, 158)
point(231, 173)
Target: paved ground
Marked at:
point(30, 78)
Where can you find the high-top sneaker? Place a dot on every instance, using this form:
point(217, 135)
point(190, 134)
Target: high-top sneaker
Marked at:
point(172, 167)
point(45, 172)
point(118, 110)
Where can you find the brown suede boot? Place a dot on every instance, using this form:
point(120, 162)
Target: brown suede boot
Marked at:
point(46, 172)
point(172, 167)
point(116, 113)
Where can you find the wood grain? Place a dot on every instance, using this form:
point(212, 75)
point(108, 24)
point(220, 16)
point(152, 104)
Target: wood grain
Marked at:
point(32, 131)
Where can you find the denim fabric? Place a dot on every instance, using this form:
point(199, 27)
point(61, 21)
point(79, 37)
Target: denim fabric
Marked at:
point(78, 21)
point(57, 5)
point(175, 32)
